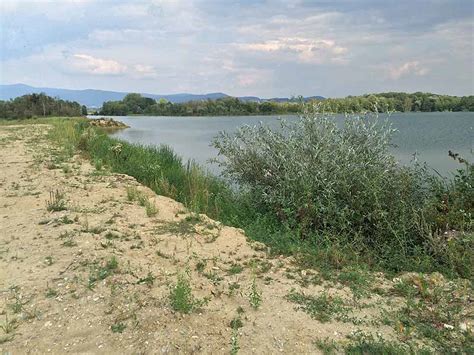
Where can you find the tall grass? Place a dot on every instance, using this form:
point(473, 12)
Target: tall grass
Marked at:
point(330, 196)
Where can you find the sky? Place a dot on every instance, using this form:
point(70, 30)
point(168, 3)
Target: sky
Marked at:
point(247, 47)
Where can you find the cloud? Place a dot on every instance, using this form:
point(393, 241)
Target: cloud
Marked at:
point(306, 50)
point(145, 71)
point(98, 66)
point(408, 68)
point(244, 47)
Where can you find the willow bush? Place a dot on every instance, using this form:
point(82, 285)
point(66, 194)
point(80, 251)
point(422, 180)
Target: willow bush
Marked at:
point(337, 184)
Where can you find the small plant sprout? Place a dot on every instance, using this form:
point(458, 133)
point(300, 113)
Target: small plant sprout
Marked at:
point(118, 327)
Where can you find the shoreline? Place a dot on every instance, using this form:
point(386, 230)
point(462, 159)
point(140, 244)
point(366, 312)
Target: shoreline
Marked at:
point(93, 255)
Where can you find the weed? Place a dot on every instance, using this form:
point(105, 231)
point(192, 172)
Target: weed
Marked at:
point(181, 297)
point(356, 279)
point(132, 193)
point(327, 346)
point(69, 242)
point(185, 227)
point(234, 286)
point(213, 276)
point(51, 293)
point(150, 209)
point(98, 273)
point(56, 201)
point(236, 323)
point(234, 343)
point(9, 325)
point(322, 308)
point(111, 235)
point(118, 327)
point(149, 279)
point(65, 220)
point(368, 344)
point(433, 311)
point(49, 260)
point(235, 269)
point(255, 295)
point(200, 266)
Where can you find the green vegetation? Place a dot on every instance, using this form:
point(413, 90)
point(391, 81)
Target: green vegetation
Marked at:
point(399, 101)
point(38, 105)
point(181, 297)
point(255, 295)
point(340, 192)
point(434, 310)
point(101, 272)
point(323, 307)
point(134, 104)
point(118, 327)
point(229, 106)
point(56, 201)
point(357, 206)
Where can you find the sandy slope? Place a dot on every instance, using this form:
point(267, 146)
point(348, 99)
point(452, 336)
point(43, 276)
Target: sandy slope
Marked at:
point(46, 261)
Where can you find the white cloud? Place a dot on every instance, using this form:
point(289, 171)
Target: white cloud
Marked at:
point(408, 68)
point(306, 50)
point(145, 71)
point(99, 66)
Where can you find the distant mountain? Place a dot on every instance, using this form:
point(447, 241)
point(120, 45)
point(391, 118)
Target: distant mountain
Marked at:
point(95, 98)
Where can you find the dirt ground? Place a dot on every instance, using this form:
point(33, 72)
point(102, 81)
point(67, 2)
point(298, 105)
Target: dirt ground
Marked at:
point(96, 275)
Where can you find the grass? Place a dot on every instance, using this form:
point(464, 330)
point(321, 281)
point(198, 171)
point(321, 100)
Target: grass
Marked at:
point(133, 194)
point(9, 325)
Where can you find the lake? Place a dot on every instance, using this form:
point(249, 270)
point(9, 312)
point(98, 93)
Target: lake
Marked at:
point(427, 135)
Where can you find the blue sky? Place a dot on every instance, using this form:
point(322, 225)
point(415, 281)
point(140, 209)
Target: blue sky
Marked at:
point(263, 48)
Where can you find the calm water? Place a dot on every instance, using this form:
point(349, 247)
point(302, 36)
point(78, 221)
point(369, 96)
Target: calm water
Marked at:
point(429, 135)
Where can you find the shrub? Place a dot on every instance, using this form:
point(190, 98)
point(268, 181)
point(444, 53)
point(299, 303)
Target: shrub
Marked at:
point(336, 185)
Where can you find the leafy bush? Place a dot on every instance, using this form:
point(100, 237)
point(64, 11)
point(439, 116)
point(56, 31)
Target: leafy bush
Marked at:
point(337, 185)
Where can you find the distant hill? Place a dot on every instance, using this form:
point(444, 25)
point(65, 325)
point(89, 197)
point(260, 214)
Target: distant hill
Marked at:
point(95, 98)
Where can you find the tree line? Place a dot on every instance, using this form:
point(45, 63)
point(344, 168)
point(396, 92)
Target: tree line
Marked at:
point(400, 102)
point(136, 104)
point(228, 106)
point(42, 105)
point(39, 105)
